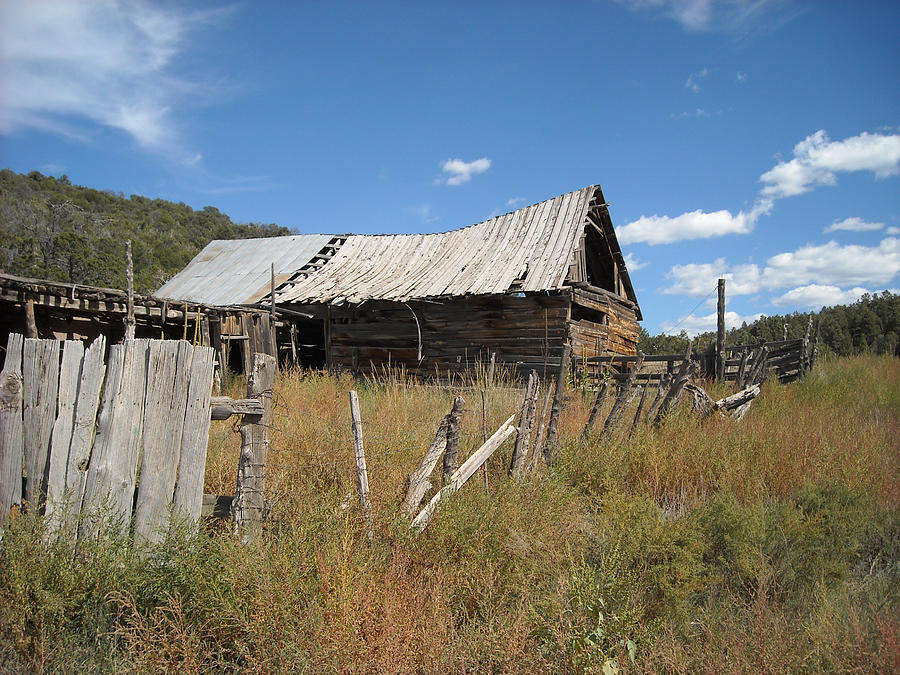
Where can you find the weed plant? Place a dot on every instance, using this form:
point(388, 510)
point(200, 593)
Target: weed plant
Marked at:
point(769, 545)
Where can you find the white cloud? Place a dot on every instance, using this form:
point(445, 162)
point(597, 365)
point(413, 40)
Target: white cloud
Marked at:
point(109, 63)
point(693, 81)
point(700, 279)
point(818, 159)
point(834, 264)
point(892, 230)
point(853, 224)
point(692, 225)
point(741, 76)
point(462, 172)
point(826, 265)
point(701, 324)
point(514, 201)
point(632, 264)
point(818, 295)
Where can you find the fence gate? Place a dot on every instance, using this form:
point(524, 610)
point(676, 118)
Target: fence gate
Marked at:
point(123, 436)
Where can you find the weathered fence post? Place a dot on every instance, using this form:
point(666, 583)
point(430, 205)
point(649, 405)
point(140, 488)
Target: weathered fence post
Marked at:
point(11, 430)
point(461, 475)
point(595, 411)
point(684, 374)
point(452, 451)
point(249, 496)
point(619, 405)
point(640, 409)
point(720, 333)
point(362, 474)
point(526, 424)
point(558, 397)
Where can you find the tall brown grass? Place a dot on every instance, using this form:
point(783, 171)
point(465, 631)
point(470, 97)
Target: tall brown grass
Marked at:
point(768, 545)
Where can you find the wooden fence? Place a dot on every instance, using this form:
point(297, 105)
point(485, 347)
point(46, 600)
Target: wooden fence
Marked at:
point(125, 436)
point(788, 360)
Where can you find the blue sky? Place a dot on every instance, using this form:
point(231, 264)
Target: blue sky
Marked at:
point(756, 140)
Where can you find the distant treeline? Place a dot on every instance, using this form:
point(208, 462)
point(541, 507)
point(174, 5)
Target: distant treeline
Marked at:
point(871, 324)
point(51, 229)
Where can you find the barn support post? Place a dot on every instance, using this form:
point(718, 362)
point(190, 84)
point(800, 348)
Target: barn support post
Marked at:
point(129, 280)
point(30, 323)
point(720, 333)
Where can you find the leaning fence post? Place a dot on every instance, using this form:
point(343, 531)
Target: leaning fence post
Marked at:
point(452, 452)
point(526, 424)
point(619, 406)
point(558, 396)
point(595, 411)
point(362, 475)
point(249, 495)
point(684, 374)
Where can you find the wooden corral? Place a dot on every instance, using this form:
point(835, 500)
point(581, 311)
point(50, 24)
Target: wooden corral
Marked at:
point(57, 310)
point(515, 288)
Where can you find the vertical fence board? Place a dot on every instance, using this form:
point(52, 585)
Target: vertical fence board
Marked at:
point(92, 371)
point(97, 480)
point(195, 438)
point(11, 432)
point(61, 439)
point(168, 370)
point(41, 383)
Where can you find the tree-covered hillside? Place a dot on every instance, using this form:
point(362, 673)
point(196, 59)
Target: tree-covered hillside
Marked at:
point(872, 324)
point(51, 229)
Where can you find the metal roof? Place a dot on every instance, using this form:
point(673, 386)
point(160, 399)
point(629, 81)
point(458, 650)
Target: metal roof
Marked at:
point(532, 246)
point(238, 271)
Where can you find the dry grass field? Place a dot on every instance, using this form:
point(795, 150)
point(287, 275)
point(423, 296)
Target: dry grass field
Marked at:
point(769, 545)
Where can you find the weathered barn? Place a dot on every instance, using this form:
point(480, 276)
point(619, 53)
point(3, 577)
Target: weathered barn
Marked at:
point(516, 286)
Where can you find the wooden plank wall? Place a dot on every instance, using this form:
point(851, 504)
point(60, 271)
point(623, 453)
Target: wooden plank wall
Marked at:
point(527, 331)
point(106, 434)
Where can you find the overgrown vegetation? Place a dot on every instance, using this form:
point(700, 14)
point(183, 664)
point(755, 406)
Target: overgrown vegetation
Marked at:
point(871, 324)
point(770, 545)
point(51, 229)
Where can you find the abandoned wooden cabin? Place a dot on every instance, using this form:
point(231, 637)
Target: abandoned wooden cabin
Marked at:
point(50, 309)
point(516, 286)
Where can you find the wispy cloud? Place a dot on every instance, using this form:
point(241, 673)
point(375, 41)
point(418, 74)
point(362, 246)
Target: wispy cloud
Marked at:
point(817, 161)
point(106, 63)
point(462, 172)
point(892, 230)
point(425, 213)
point(828, 264)
point(699, 112)
point(853, 224)
point(514, 202)
point(740, 76)
point(693, 81)
point(731, 16)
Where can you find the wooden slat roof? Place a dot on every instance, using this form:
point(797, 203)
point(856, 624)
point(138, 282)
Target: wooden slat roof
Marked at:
point(528, 250)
